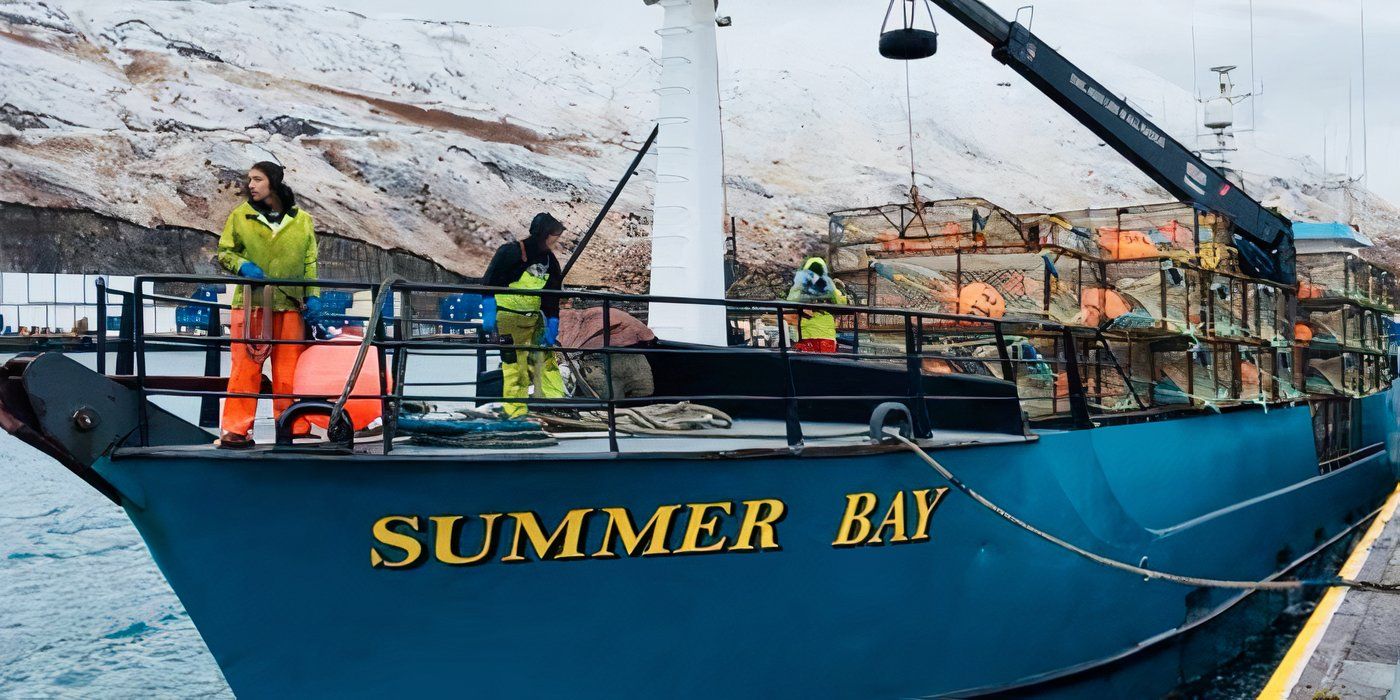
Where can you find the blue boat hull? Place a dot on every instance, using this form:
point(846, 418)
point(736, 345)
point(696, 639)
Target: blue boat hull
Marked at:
point(272, 559)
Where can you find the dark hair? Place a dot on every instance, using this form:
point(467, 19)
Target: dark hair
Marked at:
point(544, 225)
point(274, 172)
point(276, 175)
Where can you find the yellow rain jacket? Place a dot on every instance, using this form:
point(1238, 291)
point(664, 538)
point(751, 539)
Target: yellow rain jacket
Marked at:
point(819, 324)
point(285, 250)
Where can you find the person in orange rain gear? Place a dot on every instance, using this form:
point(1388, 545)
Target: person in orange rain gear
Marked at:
point(267, 237)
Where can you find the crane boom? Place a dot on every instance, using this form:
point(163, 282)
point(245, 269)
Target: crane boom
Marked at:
point(1263, 237)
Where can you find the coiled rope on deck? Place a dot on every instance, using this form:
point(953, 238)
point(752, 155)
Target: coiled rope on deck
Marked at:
point(981, 500)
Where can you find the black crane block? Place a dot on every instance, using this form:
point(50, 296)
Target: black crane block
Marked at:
point(908, 44)
point(905, 41)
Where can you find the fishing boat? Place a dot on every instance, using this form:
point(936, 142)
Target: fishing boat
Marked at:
point(870, 523)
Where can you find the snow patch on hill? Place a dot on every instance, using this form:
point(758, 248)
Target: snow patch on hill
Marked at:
point(444, 138)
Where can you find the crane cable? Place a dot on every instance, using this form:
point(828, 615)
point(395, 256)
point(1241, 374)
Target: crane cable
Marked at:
point(1195, 581)
point(909, 116)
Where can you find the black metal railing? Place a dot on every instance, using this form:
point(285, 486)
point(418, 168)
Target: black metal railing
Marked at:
point(918, 346)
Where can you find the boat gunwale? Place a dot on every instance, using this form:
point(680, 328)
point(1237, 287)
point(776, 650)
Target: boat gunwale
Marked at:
point(327, 451)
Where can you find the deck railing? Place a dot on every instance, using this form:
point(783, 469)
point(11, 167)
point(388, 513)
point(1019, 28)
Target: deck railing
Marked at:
point(918, 344)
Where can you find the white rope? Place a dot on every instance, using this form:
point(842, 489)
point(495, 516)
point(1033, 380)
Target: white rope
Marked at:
point(1130, 568)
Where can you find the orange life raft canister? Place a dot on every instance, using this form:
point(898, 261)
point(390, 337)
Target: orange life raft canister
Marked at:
point(322, 370)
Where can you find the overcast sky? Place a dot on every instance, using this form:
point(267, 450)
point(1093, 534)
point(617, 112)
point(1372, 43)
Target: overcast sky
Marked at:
point(1307, 54)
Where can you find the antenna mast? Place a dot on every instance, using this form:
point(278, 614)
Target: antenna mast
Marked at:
point(1220, 119)
point(1256, 88)
point(1365, 163)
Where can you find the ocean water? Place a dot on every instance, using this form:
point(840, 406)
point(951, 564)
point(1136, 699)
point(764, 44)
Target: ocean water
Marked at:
point(84, 612)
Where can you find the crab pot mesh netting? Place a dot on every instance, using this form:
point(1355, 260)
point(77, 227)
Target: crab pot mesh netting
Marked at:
point(1130, 295)
point(1037, 362)
point(1173, 297)
point(1344, 373)
point(1171, 230)
point(1016, 286)
point(1204, 373)
point(1162, 283)
point(1345, 276)
point(1156, 267)
point(1146, 294)
point(1268, 309)
point(1042, 376)
point(1238, 307)
point(1341, 326)
point(932, 227)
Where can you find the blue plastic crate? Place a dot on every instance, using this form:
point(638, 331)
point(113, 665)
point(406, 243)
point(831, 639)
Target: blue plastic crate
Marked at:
point(336, 301)
point(197, 316)
point(458, 311)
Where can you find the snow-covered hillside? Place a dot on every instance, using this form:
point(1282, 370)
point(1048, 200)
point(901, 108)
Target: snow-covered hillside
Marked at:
point(443, 138)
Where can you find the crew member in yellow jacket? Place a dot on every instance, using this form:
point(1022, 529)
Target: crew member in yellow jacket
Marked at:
point(524, 319)
point(267, 236)
point(816, 330)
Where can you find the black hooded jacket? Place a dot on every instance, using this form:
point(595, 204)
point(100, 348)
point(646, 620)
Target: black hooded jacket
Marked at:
point(509, 263)
point(512, 259)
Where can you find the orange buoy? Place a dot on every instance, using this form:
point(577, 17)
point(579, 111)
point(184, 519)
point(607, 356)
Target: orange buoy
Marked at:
point(1126, 245)
point(322, 370)
point(1098, 304)
point(981, 299)
point(1302, 332)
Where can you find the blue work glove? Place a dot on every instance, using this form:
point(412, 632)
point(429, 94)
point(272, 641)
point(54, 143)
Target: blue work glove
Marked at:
point(551, 331)
point(488, 315)
point(311, 311)
point(251, 271)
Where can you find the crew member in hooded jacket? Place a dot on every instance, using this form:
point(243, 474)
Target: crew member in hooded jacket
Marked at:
point(816, 330)
point(523, 319)
point(267, 236)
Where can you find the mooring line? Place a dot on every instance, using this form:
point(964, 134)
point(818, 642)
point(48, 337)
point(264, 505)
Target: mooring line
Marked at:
point(1294, 584)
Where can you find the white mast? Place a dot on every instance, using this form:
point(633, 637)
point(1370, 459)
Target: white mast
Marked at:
point(687, 234)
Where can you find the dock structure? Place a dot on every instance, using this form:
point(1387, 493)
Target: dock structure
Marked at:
point(1350, 645)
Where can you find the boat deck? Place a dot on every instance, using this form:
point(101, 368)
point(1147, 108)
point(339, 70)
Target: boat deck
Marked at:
point(1350, 646)
point(747, 435)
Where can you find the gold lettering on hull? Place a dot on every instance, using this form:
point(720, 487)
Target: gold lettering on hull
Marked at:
point(565, 543)
point(856, 530)
point(385, 533)
point(407, 541)
point(656, 532)
point(855, 522)
point(448, 532)
point(700, 525)
point(760, 519)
